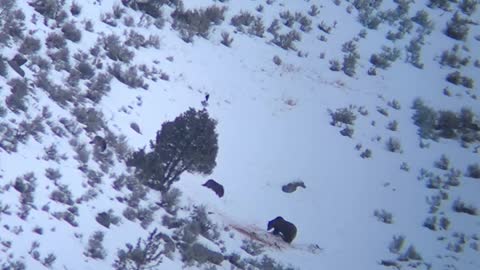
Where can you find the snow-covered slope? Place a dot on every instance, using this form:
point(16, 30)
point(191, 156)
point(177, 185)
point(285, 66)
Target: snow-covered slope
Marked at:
point(273, 128)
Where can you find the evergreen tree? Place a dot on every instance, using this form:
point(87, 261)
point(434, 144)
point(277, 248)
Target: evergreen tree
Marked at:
point(189, 143)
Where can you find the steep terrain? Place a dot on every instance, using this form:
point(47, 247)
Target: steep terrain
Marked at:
point(365, 135)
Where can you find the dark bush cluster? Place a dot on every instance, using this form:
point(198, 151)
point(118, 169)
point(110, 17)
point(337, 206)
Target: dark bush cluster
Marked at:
point(75, 9)
point(197, 22)
point(422, 18)
point(61, 60)
point(287, 41)
point(53, 174)
point(410, 254)
point(55, 40)
point(8, 142)
point(247, 23)
point(383, 216)
point(71, 32)
point(226, 39)
point(48, 8)
point(266, 262)
point(335, 65)
point(397, 244)
point(197, 224)
point(12, 22)
point(95, 247)
point(457, 79)
point(468, 7)
point(145, 216)
point(3, 67)
point(462, 207)
point(128, 76)
point(473, 171)
point(85, 70)
point(413, 52)
point(385, 58)
point(453, 59)
point(26, 186)
point(146, 254)
point(274, 27)
point(457, 27)
point(405, 26)
point(366, 15)
point(350, 58)
point(252, 247)
point(16, 100)
point(288, 19)
point(115, 50)
point(366, 154)
point(170, 200)
point(200, 254)
point(343, 116)
point(244, 19)
point(31, 127)
point(314, 11)
point(108, 18)
point(62, 195)
point(425, 118)
point(152, 8)
point(30, 45)
point(442, 4)
point(91, 118)
point(393, 145)
point(443, 163)
point(398, 13)
point(98, 86)
point(446, 124)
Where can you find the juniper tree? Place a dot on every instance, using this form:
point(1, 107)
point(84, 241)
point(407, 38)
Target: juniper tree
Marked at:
point(146, 254)
point(186, 144)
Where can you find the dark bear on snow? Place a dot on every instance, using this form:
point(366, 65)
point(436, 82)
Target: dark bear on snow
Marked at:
point(291, 187)
point(281, 227)
point(99, 142)
point(216, 187)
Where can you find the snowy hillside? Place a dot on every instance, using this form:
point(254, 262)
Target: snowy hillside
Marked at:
point(370, 107)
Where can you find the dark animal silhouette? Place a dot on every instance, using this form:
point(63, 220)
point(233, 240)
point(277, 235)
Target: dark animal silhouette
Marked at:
point(291, 187)
point(216, 187)
point(16, 64)
point(281, 227)
point(207, 96)
point(99, 142)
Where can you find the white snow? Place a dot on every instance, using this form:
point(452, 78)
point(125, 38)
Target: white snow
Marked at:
point(273, 128)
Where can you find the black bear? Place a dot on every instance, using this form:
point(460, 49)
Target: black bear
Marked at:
point(99, 142)
point(291, 187)
point(16, 64)
point(216, 187)
point(286, 229)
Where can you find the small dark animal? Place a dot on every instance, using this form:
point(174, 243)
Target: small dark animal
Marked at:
point(207, 96)
point(281, 227)
point(99, 142)
point(16, 64)
point(216, 187)
point(291, 187)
